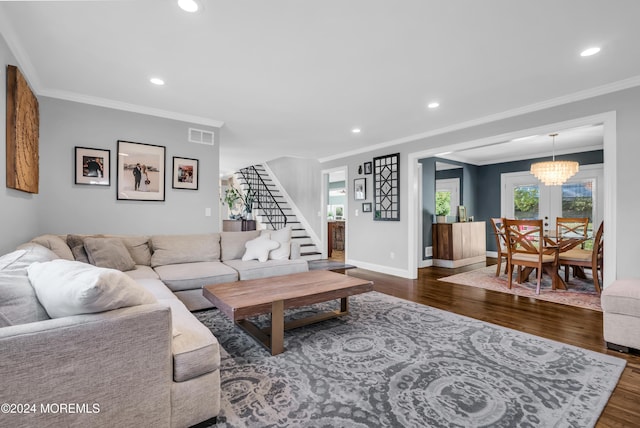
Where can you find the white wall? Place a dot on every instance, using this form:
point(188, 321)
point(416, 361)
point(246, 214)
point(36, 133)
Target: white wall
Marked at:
point(390, 237)
point(301, 180)
point(65, 207)
point(18, 210)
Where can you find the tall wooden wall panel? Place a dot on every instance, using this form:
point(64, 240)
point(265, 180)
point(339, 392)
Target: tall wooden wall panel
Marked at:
point(23, 130)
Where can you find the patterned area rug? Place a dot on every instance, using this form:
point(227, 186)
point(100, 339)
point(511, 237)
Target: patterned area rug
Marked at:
point(394, 363)
point(580, 293)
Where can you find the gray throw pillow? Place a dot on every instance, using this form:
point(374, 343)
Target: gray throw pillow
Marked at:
point(76, 243)
point(18, 301)
point(108, 253)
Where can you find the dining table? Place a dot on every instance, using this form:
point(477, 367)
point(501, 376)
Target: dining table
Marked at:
point(562, 243)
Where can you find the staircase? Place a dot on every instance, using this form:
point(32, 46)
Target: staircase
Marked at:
point(271, 211)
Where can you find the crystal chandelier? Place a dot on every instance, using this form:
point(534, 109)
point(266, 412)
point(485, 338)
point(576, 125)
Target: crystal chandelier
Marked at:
point(554, 173)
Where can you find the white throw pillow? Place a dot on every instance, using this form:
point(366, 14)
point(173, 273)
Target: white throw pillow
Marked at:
point(259, 248)
point(67, 288)
point(283, 236)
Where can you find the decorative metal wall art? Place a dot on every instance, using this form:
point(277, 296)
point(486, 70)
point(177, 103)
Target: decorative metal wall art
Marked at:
point(386, 188)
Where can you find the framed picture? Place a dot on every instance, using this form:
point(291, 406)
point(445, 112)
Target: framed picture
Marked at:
point(93, 166)
point(462, 214)
point(367, 168)
point(360, 189)
point(366, 207)
point(141, 171)
point(185, 173)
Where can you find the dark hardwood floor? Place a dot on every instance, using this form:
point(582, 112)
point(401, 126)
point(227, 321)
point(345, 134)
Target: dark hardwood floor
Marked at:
point(567, 324)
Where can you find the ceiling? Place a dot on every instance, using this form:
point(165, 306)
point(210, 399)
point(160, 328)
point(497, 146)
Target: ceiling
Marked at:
point(293, 78)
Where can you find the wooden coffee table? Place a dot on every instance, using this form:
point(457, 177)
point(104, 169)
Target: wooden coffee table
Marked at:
point(240, 300)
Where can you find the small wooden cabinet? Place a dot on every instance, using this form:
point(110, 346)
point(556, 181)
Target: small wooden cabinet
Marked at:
point(459, 244)
point(238, 225)
point(335, 232)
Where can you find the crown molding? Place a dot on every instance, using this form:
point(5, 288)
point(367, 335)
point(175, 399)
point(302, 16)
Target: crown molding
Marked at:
point(554, 102)
point(134, 108)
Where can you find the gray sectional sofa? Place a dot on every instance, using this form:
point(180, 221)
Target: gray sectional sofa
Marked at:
point(148, 364)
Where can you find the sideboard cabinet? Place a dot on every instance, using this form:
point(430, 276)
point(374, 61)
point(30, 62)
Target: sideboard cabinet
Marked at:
point(459, 244)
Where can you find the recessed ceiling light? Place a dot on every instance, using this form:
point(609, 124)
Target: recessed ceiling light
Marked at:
point(590, 51)
point(433, 105)
point(356, 130)
point(188, 5)
point(156, 81)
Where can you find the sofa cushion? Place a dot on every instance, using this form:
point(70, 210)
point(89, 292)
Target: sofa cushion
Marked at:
point(55, 244)
point(157, 288)
point(259, 248)
point(195, 350)
point(622, 296)
point(18, 301)
point(283, 236)
point(172, 249)
point(232, 243)
point(138, 247)
point(142, 272)
point(187, 276)
point(67, 288)
point(108, 253)
point(253, 269)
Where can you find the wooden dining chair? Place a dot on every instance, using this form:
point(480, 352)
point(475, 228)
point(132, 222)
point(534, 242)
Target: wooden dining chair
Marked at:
point(571, 226)
point(501, 243)
point(526, 250)
point(591, 259)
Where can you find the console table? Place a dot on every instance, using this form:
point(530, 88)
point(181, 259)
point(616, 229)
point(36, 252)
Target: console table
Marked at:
point(459, 244)
point(238, 225)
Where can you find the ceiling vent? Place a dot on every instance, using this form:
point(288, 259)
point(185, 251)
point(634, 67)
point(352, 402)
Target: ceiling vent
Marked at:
point(200, 136)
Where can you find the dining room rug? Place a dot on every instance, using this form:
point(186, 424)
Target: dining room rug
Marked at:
point(580, 292)
point(395, 363)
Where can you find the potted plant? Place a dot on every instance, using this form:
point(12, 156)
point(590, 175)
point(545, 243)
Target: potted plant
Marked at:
point(233, 198)
point(443, 207)
point(248, 205)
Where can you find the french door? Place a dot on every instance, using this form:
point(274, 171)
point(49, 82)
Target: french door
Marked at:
point(524, 197)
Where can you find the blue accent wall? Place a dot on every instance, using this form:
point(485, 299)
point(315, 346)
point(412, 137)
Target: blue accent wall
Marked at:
point(487, 184)
point(468, 175)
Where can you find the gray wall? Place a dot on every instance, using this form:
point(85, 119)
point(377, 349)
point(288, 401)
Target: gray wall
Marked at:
point(301, 179)
point(66, 207)
point(625, 103)
point(18, 210)
point(62, 206)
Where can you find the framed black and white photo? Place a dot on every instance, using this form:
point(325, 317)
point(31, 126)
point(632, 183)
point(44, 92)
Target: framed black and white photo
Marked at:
point(141, 171)
point(367, 168)
point(185, 173)
point(360, 189)
point(366, 207)
point(93, 166)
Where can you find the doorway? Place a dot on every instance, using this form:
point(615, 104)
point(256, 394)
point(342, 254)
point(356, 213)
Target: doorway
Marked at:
point(334, 214)
point(608, 121)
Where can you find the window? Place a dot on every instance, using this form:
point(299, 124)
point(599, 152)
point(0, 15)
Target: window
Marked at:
point(524, 197)
point(447, 195)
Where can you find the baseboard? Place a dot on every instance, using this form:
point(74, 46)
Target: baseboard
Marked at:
point(425, 263)
point(458, 263)
point(403, 273)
